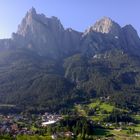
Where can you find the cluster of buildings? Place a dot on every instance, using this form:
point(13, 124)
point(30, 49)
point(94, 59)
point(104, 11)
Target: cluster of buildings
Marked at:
point(48, 119)
point(14, 125)
point(63, 134)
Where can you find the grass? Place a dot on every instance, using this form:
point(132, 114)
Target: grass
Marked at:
point(102, 106)
point(94, 104)
point(137, 117)
point(136, 127)
point(117, 135)
point(33, 128)
point(98, 117)
point(101, 132)
point(123, 135)
point(35, 137)
point(103, 109)
point(80, 110)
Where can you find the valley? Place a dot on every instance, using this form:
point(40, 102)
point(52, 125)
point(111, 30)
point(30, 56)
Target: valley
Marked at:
point(58, 83)
point(100, 119)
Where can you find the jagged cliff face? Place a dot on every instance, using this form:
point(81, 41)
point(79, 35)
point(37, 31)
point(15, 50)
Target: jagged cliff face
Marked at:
point(105, 26)
point(47, 37)
point(36, 23)
point(132, 39)
point(106, 34)
point(40, 33)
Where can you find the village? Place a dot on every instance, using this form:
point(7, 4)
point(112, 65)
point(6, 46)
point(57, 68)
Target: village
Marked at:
point(21, 124)
point(39, 124)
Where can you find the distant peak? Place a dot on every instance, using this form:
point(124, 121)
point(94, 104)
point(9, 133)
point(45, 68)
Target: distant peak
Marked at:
point(32, 11)
point(129, 27)
point(106, 19)
point(105, 25)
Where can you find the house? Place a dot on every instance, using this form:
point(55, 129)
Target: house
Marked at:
point(130, 123)
point(137, 134)
point(108, 124)
point(14, 127)
point(118, 129)
point(48, 123)
point(69, 134)
point(54, 136)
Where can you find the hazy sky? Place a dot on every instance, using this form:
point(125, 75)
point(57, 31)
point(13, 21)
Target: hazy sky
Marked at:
point(78, 14)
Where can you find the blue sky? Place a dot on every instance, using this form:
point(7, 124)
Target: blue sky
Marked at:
point(78, 14)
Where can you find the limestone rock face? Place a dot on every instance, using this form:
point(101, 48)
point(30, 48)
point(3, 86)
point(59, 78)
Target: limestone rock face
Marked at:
point(71, 41)
point(47, 37)
point(40, 33)
point(132, 39)
point(106, 34)
point(105, 25)
point(5, 44)
point(35, 23)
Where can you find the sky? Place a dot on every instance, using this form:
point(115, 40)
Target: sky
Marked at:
point(77, 14)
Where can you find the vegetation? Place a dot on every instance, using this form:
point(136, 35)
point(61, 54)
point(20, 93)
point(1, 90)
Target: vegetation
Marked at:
point(97, 90)
point(58, 84)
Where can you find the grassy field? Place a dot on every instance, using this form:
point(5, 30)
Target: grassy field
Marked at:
point(137, 117)
point(94, 104)
point(102, 110)
point(116, 134)
point(123, 135)
point(102, 106)
point(35, 137)
point(80, 110)
point(136, 127)
point(98, 118)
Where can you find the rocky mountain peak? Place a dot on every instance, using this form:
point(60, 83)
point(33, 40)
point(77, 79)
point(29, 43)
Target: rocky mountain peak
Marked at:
point(32, 11)
point(34, 23)
point(132, 38)
point(47, 36)
point(130, 29)
point(27, 22)
point(105, 25)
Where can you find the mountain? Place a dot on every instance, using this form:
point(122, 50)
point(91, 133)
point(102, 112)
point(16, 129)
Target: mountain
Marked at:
point(46, 36)
point(44, 66)
point(107, 34)
point(105, 26)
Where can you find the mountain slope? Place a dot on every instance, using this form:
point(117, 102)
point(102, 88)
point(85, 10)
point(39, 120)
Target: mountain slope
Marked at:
point(45, 66)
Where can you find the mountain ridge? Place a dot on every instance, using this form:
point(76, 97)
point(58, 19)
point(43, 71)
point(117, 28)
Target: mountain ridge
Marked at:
point(53, 35)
